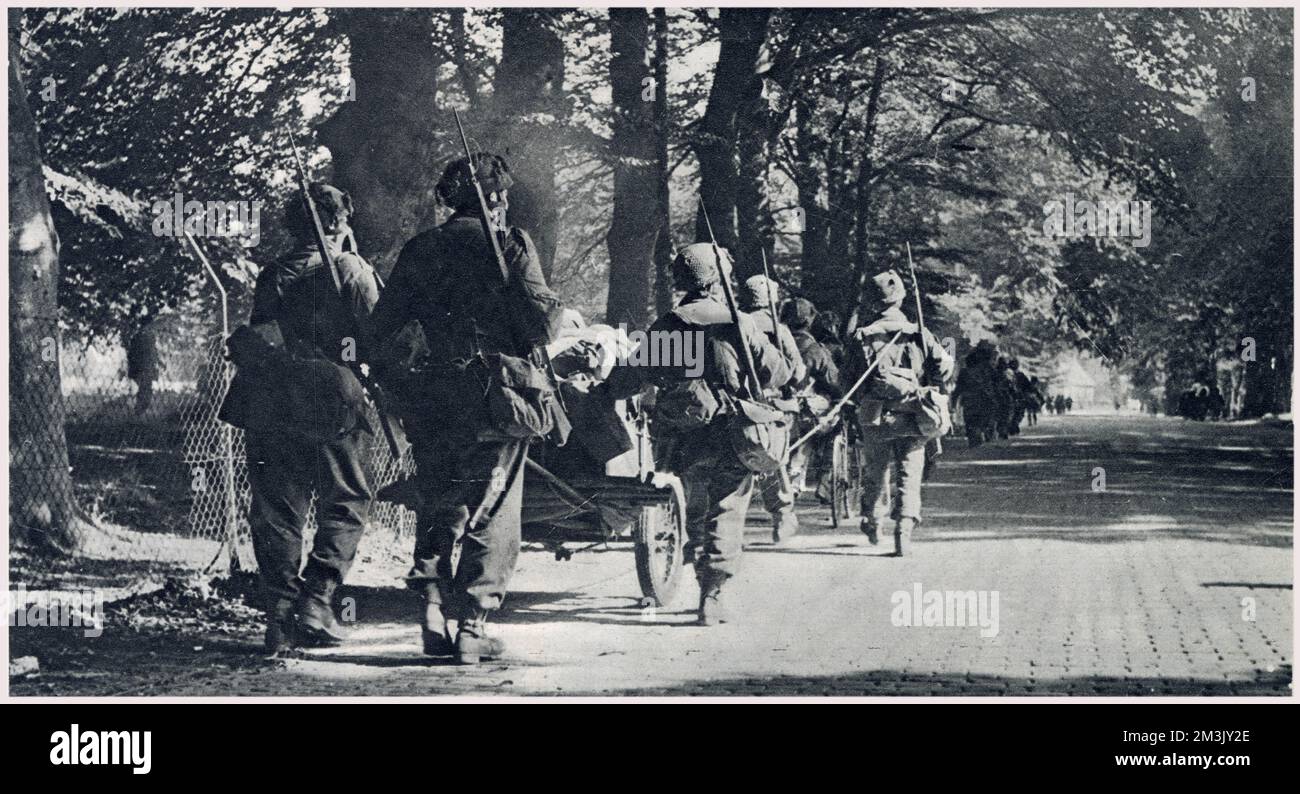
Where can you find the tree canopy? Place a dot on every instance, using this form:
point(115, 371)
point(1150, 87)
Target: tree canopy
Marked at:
point(823, 139)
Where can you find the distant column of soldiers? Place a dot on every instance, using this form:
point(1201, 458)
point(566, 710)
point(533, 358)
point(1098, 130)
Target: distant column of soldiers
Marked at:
point(996, 397)
point(1201, 401)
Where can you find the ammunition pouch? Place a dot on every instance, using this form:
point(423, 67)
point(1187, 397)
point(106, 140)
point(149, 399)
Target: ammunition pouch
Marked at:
point(759, 435)
point(522, 401)
point(686, 405)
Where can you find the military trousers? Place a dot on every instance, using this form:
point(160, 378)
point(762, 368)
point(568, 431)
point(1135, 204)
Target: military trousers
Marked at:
point(718, 490)
point(892, 469)
point(283, 472)
point(469, 522)
point(980, 426)
point(778, 494)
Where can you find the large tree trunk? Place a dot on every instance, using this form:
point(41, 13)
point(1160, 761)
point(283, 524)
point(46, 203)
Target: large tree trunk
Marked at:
point(527, 122)
point(735, 80)
point(664, 247)
point(42, 509)
point(753, 207)
point(636, 222)
point(820, 278)
point(385, 143)
point(862, 264)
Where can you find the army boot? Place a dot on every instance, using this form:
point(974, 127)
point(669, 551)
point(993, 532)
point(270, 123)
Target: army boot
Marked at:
point(785, 527)
point(903, 535)
point(712, 610)
point(868, 528)
point(433, 624)
point(317, 625)
point(473, 645)
point(279, 628)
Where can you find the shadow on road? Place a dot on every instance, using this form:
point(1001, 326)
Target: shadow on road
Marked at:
point(902, 683)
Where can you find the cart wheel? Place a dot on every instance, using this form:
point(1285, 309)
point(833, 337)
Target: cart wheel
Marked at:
point(660, 535)
point(837, 478)
point(852, 488)
point(846, 479)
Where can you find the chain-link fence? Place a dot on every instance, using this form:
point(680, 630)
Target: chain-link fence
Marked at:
point(162, 482)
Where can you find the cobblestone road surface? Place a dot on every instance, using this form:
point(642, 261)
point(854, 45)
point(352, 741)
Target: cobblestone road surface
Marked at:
point(1174, 579)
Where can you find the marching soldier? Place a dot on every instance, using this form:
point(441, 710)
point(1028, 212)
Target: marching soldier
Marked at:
point(826, 330)
point(317, 445)
point(820, 387)
point(698, 412)
point(446, 291)
point(893, 397)
point(977, 390)
point(1023, 395)
point(758, 298)
point(1004, 382)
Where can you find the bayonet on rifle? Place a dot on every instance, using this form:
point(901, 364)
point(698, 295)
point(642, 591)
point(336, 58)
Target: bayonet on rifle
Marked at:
point(322, 245)
point(771, 299)
point(538, 354)
point(920, 322)
point(754, 386)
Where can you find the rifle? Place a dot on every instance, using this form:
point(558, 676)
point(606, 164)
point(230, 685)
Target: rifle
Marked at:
point(538, 355)
point(826, 420)
point(920, 322)
point(754, 385)
point(771, 299)
point(318, 231)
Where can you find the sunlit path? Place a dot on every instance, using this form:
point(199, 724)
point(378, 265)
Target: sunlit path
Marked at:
point(1175, 578)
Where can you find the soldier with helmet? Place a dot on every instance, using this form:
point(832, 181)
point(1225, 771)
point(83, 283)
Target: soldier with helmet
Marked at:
point(303, 414)
point(895, 409)
point(460, 331)
point(758, 297)
point(977, 389)
point(700, 415)
point(820, 387)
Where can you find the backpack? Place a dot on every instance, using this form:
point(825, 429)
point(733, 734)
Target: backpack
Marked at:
point(522, 401)
point(686, 405)
point(294, 392)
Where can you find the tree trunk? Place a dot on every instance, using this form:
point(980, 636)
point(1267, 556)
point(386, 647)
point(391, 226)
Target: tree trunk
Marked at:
point(636, 221)
point(528, 117)
point(753, 207)
point(664, 247)
point(385, 143)
point(862, 197)
point(42, 508)
point(742, 32)
point(809, 185)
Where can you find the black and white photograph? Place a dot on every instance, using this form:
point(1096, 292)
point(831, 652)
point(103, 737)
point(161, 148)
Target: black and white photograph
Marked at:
point(639, 353)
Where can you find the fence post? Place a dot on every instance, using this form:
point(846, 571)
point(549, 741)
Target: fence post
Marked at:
point(225, 432)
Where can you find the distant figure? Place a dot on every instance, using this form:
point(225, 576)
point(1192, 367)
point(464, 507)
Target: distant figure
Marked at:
point(1034, 400)
point(142, 365)
point(1069, 404)
point(1060, 404)
point(1022, 395)
point(1214, 403)
point(977, 391)
point(1005, 384)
